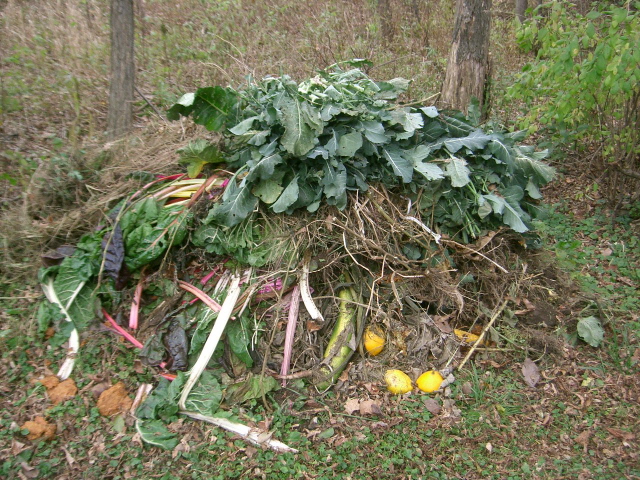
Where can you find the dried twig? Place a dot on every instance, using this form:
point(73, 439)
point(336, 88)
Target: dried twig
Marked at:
point(483, 333)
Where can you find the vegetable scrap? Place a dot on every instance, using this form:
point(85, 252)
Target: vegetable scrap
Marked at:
point(388, 222)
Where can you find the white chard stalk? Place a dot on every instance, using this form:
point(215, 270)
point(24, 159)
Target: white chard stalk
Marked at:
point(212, 341)
point(255, 436)
point(305, 293)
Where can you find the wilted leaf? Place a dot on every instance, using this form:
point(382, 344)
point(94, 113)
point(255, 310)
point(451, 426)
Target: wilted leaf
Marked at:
point(590, 330)
point(113, 248)
point(530, 372)
point(328, 433)
point(55, 257)
point(253, 387)
point(156, 433)
point(369, 407)
point(433, 406)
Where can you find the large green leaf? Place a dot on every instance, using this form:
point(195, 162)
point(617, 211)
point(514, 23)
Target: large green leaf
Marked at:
point(299, 137)
point(237, 203)
point(268, 191)
point(374, 132)
point(197, 154)
point(476, 140)
point(263, 169)
point(209, 106)
point(288, 197)
point(334, 184)
point(532, 165)
point(590, 330)
point(513, 214)
point(349, 144)
point(458, 172)
point(401, 166)
point(155, 432)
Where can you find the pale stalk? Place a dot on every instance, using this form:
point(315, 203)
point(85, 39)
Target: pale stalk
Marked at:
point(212, 341)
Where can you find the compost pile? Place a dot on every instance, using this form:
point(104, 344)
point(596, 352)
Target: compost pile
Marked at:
point(323, 234)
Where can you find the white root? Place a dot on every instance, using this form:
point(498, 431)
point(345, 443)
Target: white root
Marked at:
point(212, 341)
point(255, 436)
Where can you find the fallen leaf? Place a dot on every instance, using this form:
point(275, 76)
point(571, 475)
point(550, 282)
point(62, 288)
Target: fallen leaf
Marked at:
point(606, 252)
point(352, 405)
point(40, 428)
point(17, 447)
point(442, 323)
point(313, 326)
point(328, 433)
point(28, 471)
point(583, 439)
point(68, 456)
point(369, 407)
point(621, 434)
point(114, 400)
point(467, 388)
point(530, 372)
point(433, 406)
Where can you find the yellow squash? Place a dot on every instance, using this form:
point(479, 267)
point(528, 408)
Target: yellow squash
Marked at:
point(374, 340)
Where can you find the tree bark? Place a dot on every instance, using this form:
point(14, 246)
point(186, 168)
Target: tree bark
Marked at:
point(468, 64)
point(120, 116)
point(521, 7)
point(386, 21)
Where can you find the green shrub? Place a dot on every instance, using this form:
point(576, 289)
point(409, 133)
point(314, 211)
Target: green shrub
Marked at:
point(585, 81)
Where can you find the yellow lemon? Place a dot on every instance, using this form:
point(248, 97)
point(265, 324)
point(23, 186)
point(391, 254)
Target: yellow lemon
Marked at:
point(429, 381)
point(466, 337)
point(398, 382)
point(374, 340)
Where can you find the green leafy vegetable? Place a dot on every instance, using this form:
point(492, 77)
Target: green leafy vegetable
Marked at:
point(590, 330)
point(296, 144)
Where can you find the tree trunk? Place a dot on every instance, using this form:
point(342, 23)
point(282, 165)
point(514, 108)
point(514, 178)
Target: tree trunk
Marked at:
point(521, 7)
point(386, 21)
point(120, 116)
point(467, 67)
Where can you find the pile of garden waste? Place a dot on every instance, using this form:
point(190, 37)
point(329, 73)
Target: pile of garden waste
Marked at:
point(324, 233)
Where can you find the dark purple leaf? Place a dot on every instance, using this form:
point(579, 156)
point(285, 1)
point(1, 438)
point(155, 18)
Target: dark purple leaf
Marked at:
point(178, 346)
point(113, 247)
point(55, 257)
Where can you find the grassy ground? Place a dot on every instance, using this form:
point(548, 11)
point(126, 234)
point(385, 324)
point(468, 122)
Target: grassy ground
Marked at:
point(581, 420)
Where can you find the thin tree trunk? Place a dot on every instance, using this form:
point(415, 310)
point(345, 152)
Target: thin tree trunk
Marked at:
point(468, 64)
point(521, 7)
point(386, 21)
point(120, 116)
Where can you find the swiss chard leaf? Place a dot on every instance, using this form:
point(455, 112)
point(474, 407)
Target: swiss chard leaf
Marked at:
point(211, 107)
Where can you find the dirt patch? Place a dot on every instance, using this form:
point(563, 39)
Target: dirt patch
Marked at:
point(114, 400)
point(40, 428)
point(59, 391)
